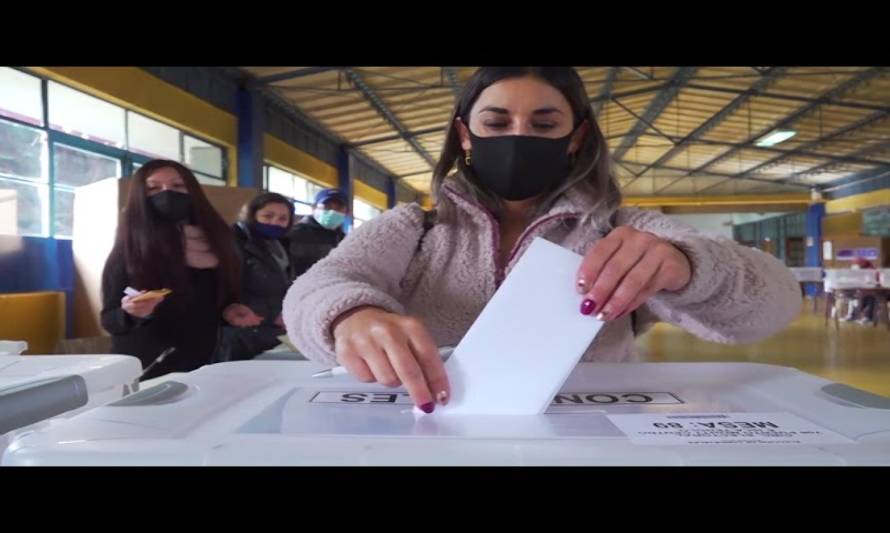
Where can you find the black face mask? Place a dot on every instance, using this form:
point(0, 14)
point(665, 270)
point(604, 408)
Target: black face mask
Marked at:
point(171, 206)
point(268, 231)
point(518, 167)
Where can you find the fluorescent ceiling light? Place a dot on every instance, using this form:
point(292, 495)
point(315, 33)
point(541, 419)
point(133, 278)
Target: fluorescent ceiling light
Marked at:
point(776, 137)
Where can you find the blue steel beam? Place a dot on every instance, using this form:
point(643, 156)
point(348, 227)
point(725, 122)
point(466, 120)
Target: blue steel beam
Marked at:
point(388, 115)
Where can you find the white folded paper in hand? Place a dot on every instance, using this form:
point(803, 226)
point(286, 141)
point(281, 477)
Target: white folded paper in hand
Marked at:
point(525, 343)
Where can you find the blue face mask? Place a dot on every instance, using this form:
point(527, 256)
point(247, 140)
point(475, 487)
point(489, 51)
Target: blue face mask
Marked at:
point(269, 231)
point(329, 218)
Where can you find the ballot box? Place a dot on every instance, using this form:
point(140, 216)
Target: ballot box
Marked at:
point(275, 413)
point(38, 390)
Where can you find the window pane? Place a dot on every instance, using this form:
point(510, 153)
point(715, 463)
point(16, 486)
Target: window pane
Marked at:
point(152, 138)
point(363, 210)
point(210, 180)
point(305, 190)
point(301, 190)
point(136, 166)
point(85, 116)
point(356, 223)
point(23, 152)
point(203, 157)
point(24, 208)
point(281, 182)
point(302, 209)
point(20, 96)
point(64, 223)
point(311, 190)
point(76, 167)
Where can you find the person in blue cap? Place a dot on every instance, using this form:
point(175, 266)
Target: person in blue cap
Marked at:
point(313, 237)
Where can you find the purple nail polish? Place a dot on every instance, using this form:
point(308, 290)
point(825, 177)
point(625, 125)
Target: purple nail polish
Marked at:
point(587, 306)
point(428, 407)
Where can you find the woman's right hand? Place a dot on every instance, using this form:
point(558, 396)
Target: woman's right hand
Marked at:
point(241, 316)
point(142, 308)
point(393, 350)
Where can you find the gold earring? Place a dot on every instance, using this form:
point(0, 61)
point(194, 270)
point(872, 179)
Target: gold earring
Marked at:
point(468, 158)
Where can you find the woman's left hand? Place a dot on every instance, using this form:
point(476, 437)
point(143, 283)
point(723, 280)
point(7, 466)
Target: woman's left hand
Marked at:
point(241, 316)
point(626, 268)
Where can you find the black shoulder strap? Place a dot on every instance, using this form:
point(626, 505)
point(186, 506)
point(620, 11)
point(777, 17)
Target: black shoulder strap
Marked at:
point(429, 220)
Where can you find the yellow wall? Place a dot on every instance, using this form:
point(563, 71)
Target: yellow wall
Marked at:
point(369, 194)
point(858, 201)
point(45, 323)
point(140, 91)
point(841, 224)
point(289, 158)
point(707, 204)
point(136, 89)
point(802, 199)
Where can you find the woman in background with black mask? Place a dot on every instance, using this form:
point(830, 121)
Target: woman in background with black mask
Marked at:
point(170, 237)
point(266, 274)
point(523, 158)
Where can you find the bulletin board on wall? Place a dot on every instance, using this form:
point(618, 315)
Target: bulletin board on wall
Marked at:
point(846, 236)
point(876, 221)
point(842, 251)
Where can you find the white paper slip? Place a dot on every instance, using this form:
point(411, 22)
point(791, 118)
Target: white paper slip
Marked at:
point(130, 291)
point(525, 343)
point(702, 429)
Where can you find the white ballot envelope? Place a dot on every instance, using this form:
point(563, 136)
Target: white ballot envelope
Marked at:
point(527, 340)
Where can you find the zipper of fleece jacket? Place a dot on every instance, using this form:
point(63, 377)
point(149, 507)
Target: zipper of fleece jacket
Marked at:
point(501, 272)
point(500, 269)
